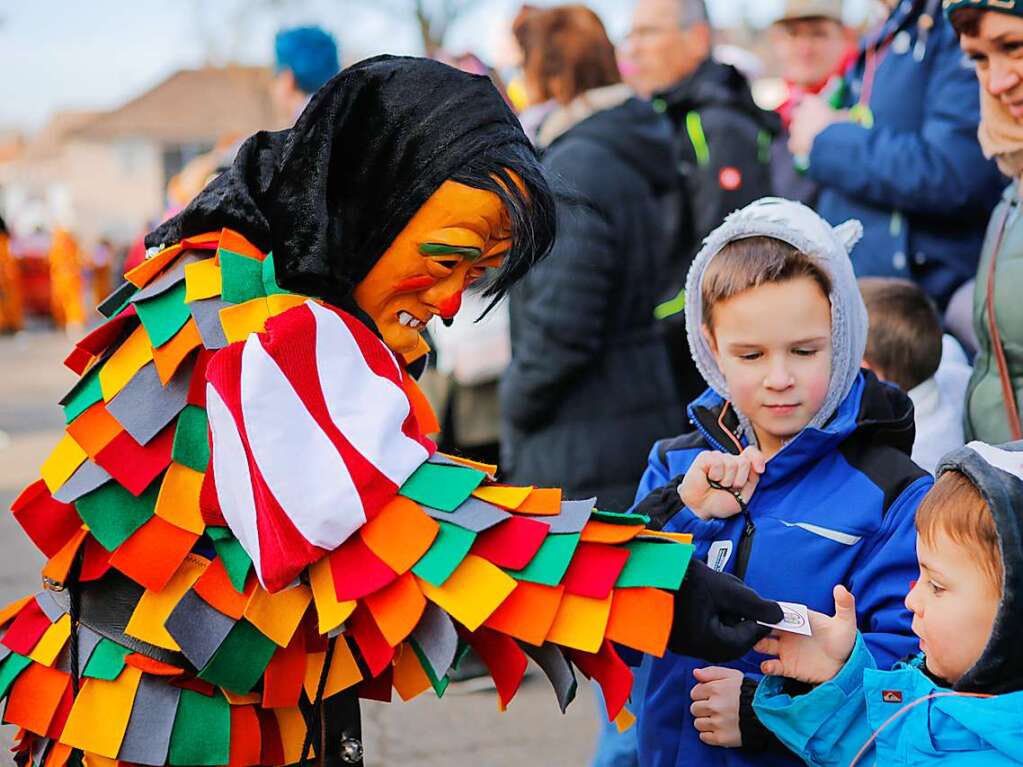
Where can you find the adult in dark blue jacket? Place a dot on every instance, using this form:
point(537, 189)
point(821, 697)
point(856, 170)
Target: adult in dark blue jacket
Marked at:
point(907, 163)
point(589, 387)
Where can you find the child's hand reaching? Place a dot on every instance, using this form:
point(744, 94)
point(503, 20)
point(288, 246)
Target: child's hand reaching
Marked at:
point(736, 473)
point(814, 659)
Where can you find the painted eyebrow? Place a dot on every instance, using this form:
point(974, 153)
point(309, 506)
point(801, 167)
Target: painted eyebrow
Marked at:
point(440, 249)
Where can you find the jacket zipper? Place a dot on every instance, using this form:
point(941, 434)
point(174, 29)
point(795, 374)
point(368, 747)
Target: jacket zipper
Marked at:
point(745, 547)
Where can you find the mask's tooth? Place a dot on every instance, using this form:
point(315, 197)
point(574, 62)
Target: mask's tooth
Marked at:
point(404, 318)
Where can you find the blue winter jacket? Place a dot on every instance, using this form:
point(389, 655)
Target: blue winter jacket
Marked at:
point(830, 724)
point(917, 178)
point(835, 505)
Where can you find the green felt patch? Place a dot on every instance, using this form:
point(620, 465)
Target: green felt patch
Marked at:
point(240, 660)
point(10, 668)
point(613, 518)
point(655, 564)
point(236, 561)
point(439, 683)
point(164, 315)
point(106, 661)
point(191, 443)
point(242, 277)
point(445, 554)
point(86, 393)
point(270, 286)
point(113, 513)
point(441, 487)
point(202, 730)
point(551, 562)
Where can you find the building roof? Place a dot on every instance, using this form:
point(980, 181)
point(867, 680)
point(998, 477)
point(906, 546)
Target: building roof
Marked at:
point(192, 105)
point(47, 142)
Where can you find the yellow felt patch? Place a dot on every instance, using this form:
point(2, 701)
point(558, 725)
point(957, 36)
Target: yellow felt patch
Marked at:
point(278, 303)
point(155, 607)
point(124, 363)
point(241, 319)
point(330, 612)
point(202, 280)
point(580, 622)
point(66, 457)
point(100, 713)
point(278, 615)
point(473, 591)
point(501, 495)
point(48, 648)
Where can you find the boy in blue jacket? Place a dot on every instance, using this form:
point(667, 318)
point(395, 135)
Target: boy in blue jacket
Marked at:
point(959, 701)
point(797, 476)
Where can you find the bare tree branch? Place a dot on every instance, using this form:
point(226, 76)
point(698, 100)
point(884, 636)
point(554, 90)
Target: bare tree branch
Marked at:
point(433, 18)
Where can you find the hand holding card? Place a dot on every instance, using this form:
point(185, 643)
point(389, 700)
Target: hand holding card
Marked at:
point(810, 646)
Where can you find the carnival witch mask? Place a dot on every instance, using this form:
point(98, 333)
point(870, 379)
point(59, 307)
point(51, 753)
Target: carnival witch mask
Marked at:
point(399, 183)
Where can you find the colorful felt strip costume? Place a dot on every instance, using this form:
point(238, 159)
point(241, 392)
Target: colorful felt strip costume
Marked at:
point(250, 467)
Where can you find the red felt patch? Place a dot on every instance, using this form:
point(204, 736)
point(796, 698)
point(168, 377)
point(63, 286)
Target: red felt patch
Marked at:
point(374, 648)
point(379, 687)
point(135, 466)
point(135, 557)
point(197, 384)
point(358, 571)
point(282, 681)
point(610, 672)
point(246, 743)
point(512, 543)
point(271, 748)
point(27, 629)
point(730, 178)
point(502, 657)
point(48, 522)
point(95, 561)
point(594, 569)
point(99, 339)
point(209, 504)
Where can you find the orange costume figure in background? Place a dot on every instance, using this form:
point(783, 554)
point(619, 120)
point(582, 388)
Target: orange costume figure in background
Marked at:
point(66, 296)
point(11, 313)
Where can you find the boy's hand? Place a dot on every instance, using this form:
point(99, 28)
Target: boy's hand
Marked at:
point(737, 473)
point(814, 659)
point(715, 706)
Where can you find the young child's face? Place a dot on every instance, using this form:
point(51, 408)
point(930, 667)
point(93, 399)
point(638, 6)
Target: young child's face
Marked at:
point(954, 604)
point(773, 346)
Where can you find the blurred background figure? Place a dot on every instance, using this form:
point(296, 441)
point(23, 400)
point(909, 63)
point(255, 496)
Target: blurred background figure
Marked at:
point(304, 59)
point(582, 327)
point(101, 265)
point(901, 155)
point(906, 348)
point(11, 317)
point(66, 287)
point(814, 48)
point(532, 107)
point(722, 143)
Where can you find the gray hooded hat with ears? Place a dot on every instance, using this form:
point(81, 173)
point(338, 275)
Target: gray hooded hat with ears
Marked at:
point(828, 246)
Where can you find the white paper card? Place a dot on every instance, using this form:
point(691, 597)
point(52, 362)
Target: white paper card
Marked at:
point(796, 620)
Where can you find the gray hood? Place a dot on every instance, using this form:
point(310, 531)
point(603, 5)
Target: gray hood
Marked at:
point(800, 227)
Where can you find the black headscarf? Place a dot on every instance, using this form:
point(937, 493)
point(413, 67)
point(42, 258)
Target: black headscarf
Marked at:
point(329, 195)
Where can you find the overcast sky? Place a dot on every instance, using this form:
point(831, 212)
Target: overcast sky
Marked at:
point(96, 55)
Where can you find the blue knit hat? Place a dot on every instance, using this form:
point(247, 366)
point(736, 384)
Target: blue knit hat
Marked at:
point(310, 53)
point(1012, 7)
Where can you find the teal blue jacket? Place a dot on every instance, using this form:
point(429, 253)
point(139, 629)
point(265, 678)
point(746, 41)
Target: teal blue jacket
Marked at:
point(830, 724)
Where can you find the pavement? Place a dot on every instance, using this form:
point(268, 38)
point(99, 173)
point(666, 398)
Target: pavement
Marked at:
point(464, 728)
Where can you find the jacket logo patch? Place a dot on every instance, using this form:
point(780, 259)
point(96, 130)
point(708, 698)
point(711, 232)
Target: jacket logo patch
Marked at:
point(719, 554)
point(730, 178)
point(891, 696)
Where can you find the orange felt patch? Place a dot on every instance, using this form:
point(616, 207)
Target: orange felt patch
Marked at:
point(677, 537)
point(409, 678)
point(528, 612)
point(580, 622)
point(231, 240)
point(94, 429)
point(142, 274)
point(641, 619)
point(60, 563)
point(35, 696)
point(418, 531)
point(421, 407)
point(543, 501)
point(178, 499)
point(397, 608)
point(151, 665)
point(604, 532)
point(58, 756)
point(215, 587)
point(486, 468)
point(14, 608)
point(153, 553)
point(168, 358)
point(277, 615)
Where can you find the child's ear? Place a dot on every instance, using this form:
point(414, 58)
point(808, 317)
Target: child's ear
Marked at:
point(708, 336)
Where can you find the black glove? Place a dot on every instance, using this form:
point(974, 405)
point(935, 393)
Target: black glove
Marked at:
point(716, 615)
